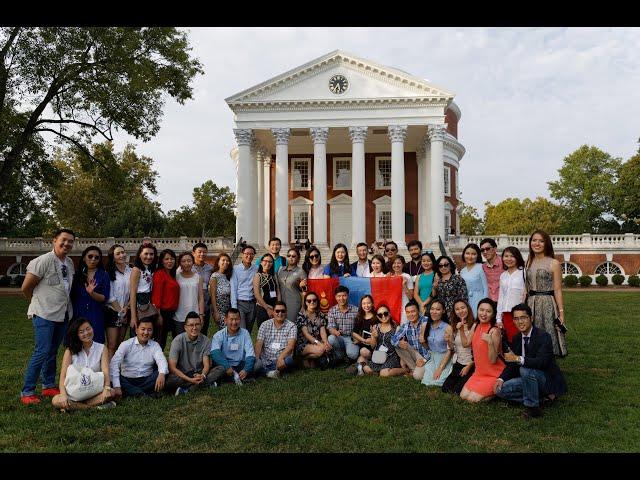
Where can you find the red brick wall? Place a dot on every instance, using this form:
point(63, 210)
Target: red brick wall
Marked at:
point(452, 123)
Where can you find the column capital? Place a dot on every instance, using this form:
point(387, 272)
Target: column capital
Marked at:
point(397, 133)
point(436, 133)
point(358, 134)
point(319, 134)
point(255, 144)
point(244, 136)
point(420, 152)
point(281, 135)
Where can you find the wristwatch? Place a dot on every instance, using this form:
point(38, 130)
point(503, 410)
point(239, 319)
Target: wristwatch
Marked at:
point(107, 387)
point(316, 342)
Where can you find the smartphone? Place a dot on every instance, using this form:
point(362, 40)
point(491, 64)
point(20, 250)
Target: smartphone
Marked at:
point(366, 334)
point(559, 324)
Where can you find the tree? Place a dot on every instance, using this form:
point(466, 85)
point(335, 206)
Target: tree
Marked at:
point(626, 197)
point(470, 221)
point(585, 187)
point(112, 201)
point(515, 217)
point(211, 215)
point(76, 83)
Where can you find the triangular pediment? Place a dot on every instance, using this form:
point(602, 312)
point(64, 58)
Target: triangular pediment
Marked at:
point(368, 82)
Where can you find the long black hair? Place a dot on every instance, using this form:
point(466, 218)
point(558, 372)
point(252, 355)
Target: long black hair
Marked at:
point(306, 265)
point(172, 254)
point(111, 262)
point(72, 342)
point(444, 319)
point(138, 262)
point(334, 267)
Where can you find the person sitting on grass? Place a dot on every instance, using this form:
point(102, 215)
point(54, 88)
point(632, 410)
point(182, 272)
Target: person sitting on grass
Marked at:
point(382, 334)
point(82, 351)
point(189, 362)
point(131, 368)
point(275, 343)
point(413, 355)
point(531, 371)
point(231, 349)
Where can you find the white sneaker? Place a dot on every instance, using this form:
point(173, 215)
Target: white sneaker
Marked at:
point(237, 379)
point(273, 374)
point(360, 370)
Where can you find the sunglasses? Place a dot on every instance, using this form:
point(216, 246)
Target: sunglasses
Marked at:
point(64, 271)
point(442, 265)
point(280, 311)
point(313, 257)
point(93, 257)
point(312, 300)
point(292, 256)
point(390, 250)
point(486, 249)
point(382, 314)
point(426, 252)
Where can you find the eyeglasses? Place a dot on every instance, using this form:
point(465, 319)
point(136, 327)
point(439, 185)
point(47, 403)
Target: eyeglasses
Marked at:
point(93, 257)
point(312, 300)
point(442, 265)
point(280, 311)
point(485, 249)
point(64, 271)
point(382, 314)
point(521, 319)
point(195, 325)
point(313, 257)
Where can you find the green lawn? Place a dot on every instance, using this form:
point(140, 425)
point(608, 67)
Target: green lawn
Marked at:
point(314, 411)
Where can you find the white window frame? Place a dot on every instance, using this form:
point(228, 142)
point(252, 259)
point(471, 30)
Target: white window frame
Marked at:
point(303, 188)
point(563, 266)
point(448, 210)
point(608, 265)
point(447, 181)
point(300, 205)
point(383, 204)
point(379, 185)
point(335, 173)
point(22, 266)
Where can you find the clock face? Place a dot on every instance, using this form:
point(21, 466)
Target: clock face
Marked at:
point(338, 84)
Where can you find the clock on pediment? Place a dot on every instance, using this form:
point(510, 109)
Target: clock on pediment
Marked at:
point(338, 84)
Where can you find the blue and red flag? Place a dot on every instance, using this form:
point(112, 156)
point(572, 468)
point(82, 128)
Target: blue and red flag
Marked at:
point(386, 290)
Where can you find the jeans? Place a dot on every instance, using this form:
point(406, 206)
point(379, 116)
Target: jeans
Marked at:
point(247, 313)
point(343, 343)
point(47, 335)
point(174, 381)
point(137, 387)
point(526, 389)
point(261, 369)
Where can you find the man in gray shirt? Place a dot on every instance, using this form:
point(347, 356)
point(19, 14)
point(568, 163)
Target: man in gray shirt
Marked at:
point(189, 362)
point(47, 286)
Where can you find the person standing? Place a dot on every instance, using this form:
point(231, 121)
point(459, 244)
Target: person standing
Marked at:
point(291, 281)
point(191, 298)
point(474, 276)
point(242, 296)
point(47, 286)
point(165, 296)
point(202, 268)
point(312, 264)
point(220, 289)
point(511, 289)
point(414, 266)
point(339, 265)
point(274, 249)
point(424, 282)
point(117, 310)
point(492, 267)
point(362, 266)
point(544, 289)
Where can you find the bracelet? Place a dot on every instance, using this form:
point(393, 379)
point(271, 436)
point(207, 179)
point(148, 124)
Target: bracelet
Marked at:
point(562, 309)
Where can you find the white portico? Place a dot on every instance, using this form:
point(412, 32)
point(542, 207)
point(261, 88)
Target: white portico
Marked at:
point(345, 150)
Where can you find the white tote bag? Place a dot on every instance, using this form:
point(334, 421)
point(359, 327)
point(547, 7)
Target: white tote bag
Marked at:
point(83, 384)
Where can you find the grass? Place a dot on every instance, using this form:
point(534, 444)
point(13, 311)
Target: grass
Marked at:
point(314, 411)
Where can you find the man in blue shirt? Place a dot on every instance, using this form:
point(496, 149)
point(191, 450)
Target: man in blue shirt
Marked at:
point(242, 296)
point(231, 348)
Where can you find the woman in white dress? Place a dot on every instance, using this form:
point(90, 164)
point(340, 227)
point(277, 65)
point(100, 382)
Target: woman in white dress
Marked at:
point(191, 293)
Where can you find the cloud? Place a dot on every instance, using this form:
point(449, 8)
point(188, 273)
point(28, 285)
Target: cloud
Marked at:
point(529, 97)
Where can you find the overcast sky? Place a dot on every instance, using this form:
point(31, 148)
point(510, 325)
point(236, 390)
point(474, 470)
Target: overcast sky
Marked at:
point(529, 97)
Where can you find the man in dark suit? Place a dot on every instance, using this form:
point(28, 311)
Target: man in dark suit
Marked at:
point(361, 267)
point(531, 371)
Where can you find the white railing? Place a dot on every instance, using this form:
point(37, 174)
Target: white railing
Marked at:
point(586, 241)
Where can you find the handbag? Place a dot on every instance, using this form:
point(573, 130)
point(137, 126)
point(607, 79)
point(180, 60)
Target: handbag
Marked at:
point(82, 384)
point(379, 357)
point(146, 309)
point(328, 360)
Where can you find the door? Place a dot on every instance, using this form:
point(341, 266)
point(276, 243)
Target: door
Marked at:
point(341, 224)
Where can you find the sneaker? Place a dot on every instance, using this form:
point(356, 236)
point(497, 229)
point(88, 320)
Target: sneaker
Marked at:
point(237, 379)
point(213, 386)
point(50, 392)
point(351, 369)
point(104, 406)
point(273, 374)
point(360, 369)
point(181, 390)
point(29, 399)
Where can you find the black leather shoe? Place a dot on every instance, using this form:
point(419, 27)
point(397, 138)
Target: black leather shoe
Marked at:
point(531, 412)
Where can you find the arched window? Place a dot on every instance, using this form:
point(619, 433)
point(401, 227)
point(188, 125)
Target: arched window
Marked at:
point(569, 268)
point(609, 268)
point(17, 269)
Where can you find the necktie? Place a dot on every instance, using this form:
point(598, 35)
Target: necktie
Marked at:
point(526, 344)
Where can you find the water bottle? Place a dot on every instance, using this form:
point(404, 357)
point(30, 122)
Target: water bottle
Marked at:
point(120, 316)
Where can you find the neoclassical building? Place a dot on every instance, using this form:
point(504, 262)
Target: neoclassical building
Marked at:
point(342, 149)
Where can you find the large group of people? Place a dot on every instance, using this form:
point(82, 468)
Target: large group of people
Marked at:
point(468, 331)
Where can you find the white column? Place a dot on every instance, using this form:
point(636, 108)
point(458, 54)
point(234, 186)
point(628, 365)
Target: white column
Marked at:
point(245, 196)
point(281, 136)
point(436, 135)
point(260, 194)
point(358, 210)
point(397, 134)
point(319, 136)
point(420, 163)
point(266, 223)
point(425, 198)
